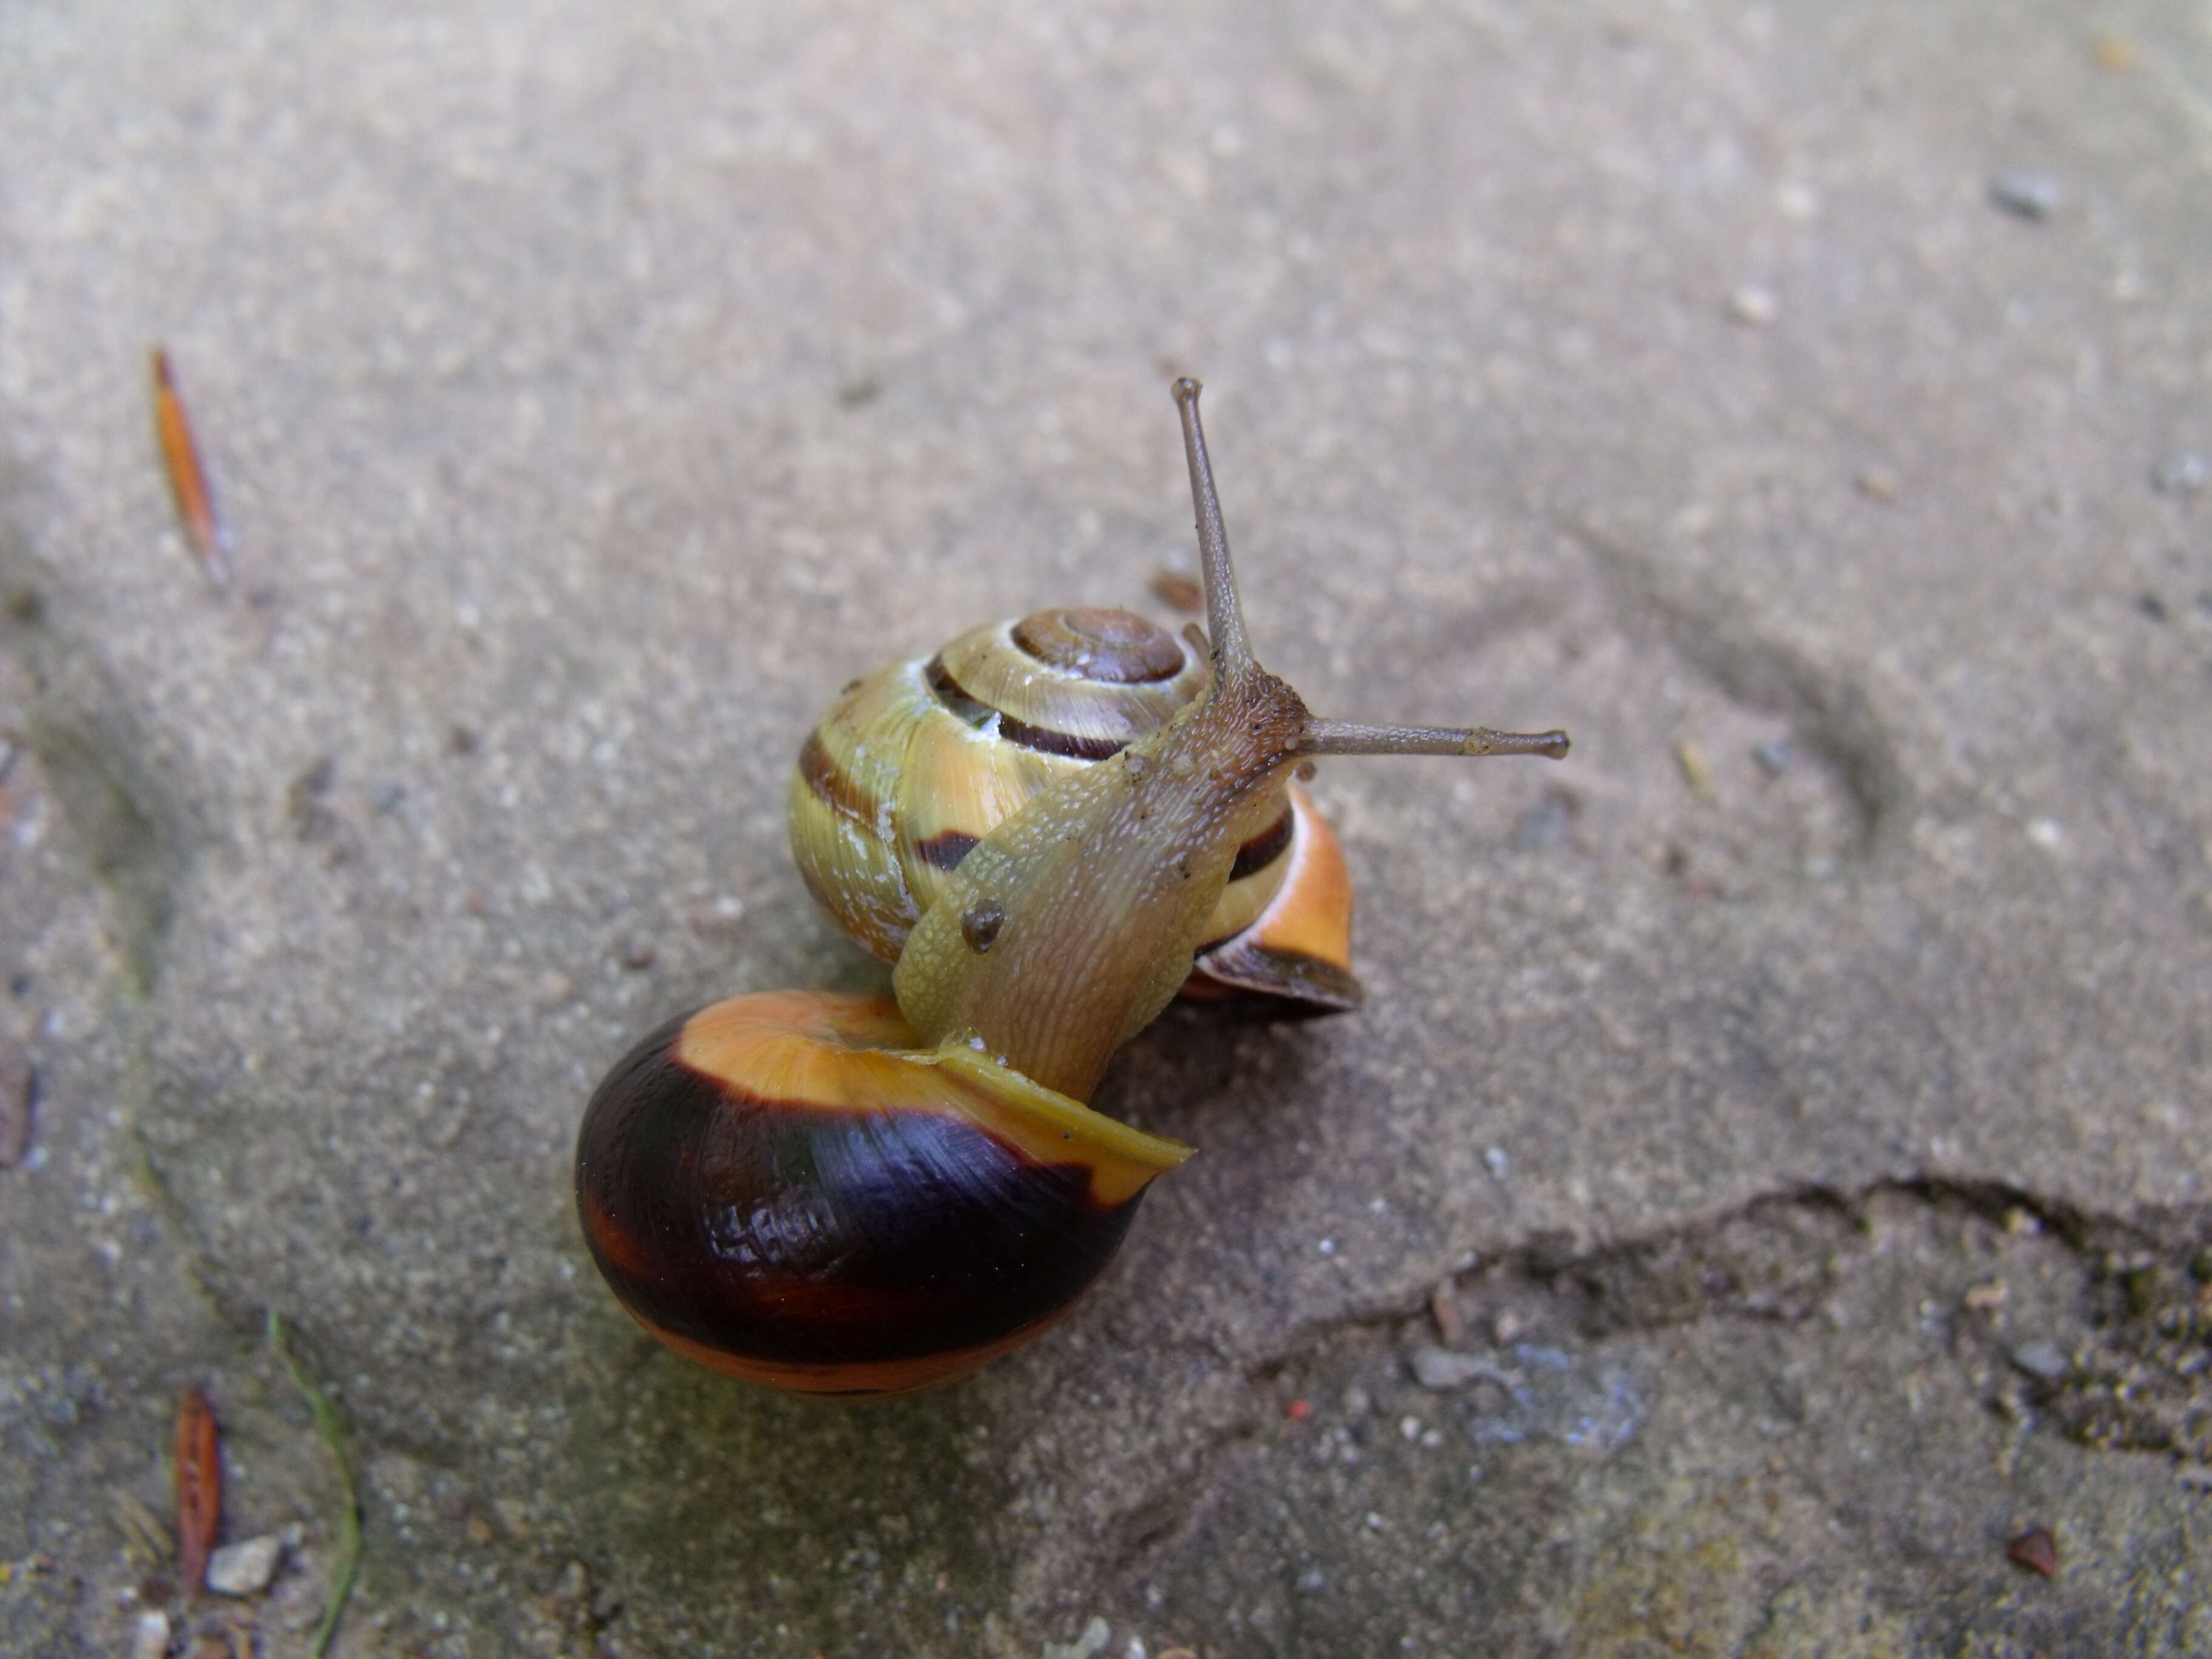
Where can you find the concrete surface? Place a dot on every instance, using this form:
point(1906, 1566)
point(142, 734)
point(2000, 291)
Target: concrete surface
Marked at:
point(1797, 1100)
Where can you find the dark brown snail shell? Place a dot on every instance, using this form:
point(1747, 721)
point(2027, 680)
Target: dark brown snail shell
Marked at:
point(772, 1189)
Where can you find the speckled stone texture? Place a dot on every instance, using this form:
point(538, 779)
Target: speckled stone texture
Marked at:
point(1796, 1102)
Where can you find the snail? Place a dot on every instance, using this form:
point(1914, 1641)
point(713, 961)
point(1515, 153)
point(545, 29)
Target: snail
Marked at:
point(915, 764)
point(835, 1194)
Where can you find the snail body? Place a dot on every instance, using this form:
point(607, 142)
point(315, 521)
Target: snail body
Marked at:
point(840, 1195)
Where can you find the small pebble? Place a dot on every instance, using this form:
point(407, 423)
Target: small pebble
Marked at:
point(1444, 1308)
point(2048, 834)
point(1797, 201)
point(1774, 757)
point(245, 1569)
point(2036, 1550)
point(152, 1639)
point(1091, 1643)
point(2028, 194)
point(721, 917)
point(2044, 1360)
point(1312, 1579)
point(1753, 305)
point(1445, 1368)
point(1876, 483)
point(1494, 1160)
point(2183, 472)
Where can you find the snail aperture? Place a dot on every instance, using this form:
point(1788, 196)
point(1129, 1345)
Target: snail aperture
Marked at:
point(834, 1195)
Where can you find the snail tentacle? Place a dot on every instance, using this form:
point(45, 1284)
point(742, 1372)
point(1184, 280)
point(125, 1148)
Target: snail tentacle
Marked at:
point(1352, 738)
point(1225, 615)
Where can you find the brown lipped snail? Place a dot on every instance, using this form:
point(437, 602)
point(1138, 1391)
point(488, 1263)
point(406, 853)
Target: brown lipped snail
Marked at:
point(848, 1195)
point(912, 766)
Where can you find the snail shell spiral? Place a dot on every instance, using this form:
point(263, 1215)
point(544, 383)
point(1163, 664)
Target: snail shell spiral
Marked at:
point(915, 764)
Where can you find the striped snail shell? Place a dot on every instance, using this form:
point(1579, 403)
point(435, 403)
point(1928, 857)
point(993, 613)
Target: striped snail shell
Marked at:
point(841, 1195)
point(915, 764)
point(871, 1220)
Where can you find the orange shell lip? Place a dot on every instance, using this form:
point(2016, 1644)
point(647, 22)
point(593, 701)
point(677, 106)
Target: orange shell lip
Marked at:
point(1299, 948)
point(821, 1051)
point(884, 1379)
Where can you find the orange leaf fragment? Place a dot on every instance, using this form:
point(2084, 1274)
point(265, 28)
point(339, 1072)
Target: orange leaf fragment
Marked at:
point(188, 479)
point(2036, 1550)
point(199, 1487)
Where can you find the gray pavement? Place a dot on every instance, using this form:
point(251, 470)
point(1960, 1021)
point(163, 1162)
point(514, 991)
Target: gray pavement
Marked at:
point(1792, 1110)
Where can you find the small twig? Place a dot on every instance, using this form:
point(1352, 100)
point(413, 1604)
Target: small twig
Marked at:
point(199, 1487)
point(347, 1567)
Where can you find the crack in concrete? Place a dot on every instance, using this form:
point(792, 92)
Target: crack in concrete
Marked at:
point(2136, 1377)
point(2139, 1302)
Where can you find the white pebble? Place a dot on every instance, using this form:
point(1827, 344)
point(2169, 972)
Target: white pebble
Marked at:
point(1797, 201)
point(245, 1569)
point(1445, 1368)
point(1091, 1643)
point(1753, 305)
point(2029, 195)
point(152, 1641)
